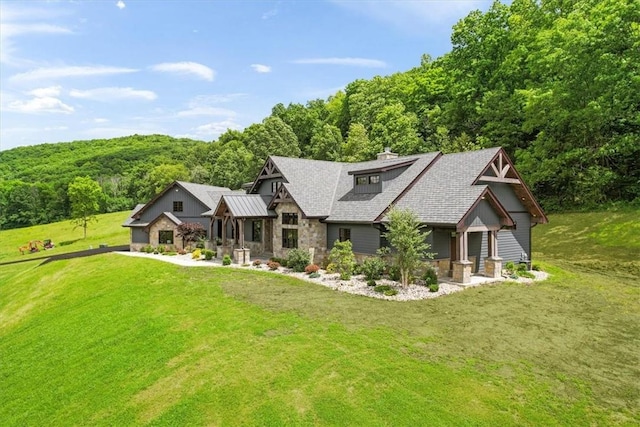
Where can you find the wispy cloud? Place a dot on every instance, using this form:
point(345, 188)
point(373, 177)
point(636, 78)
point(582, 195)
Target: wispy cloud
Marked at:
point(193, 68)
point(108, 94)
point(260, 68)
point(16, 22)
point(213, 130)
point(51, 73)
point(44, 100)
point(205, 105)
point(120, 5)
point(355, 62)
point(207, 111)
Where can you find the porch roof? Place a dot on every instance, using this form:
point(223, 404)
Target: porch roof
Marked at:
point(243, 206)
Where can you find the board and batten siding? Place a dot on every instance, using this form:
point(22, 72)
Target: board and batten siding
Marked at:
point(364, 238)
point(478, 247)
point(440, 241)
point(507, 197)
point(483, 214)
point(192, 208)
point(513, 243)
point(138, 235)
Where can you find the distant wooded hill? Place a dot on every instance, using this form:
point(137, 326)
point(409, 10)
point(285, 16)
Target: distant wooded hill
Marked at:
point(556, 83)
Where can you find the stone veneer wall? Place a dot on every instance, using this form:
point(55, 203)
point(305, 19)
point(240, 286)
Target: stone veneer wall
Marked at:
point(163, 224)
point(312, 234)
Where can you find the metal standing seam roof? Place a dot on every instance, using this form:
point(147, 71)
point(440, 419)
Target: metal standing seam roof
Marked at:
point(246, 205)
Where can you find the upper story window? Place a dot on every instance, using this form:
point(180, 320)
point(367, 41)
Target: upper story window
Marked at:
point(290, 218)
point(374, 179)
point(275, 185)
point(361, 180)
point(177, 206)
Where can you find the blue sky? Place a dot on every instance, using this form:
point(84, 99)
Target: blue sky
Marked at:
point(77, 70)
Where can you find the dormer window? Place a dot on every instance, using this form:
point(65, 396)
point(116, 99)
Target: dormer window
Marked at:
point(374, 179)
point(275, 185)
point(361, 180)
point(369, 183)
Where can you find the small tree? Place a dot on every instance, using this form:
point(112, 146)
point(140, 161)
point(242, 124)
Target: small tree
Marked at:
point(190, 232)
point(409, 241)
point(342, 257)
point(84, 195)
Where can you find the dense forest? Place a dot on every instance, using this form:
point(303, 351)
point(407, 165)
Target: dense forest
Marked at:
point(556, 83)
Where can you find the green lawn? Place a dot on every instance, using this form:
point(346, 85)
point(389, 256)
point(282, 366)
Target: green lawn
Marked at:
point(66, 236)
point(86, 342)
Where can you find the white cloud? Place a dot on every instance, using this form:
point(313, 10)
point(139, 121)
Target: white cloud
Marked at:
point(46, 104)
point(270, 14)
point(107, 94)
point(213, 130)
point(100, 120)
point(356, 62)
point(260, 68)
point(19, 21)
point(206, 111)
point(199, 70)
point(115, 132)
point(48, 73)
point(121, 5)
point(44, 92)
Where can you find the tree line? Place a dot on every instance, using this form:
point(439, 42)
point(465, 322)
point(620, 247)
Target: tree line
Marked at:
point(554, 82)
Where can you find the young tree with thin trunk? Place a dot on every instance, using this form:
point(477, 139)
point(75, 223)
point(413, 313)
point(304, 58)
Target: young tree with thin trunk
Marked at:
point(85, 195)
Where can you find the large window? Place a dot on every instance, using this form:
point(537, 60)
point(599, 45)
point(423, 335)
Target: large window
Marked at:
point(289, 238)
point(290, 218)
point(344, 234)
point(177, 206)
point(165, 237)
point(256, 233)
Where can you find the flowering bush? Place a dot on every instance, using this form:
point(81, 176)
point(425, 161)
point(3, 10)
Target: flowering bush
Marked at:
point(273, 265)
point(311, 268)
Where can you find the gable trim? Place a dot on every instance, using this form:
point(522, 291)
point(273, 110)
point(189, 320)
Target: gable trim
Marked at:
point(269, 170)
point(171, 217)
point(489, 196)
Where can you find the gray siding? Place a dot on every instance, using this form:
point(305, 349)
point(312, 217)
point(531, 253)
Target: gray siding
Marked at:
point(478, 247)
point(248, 230)
point(512, 243)
point(364, 238)
point(483, 214)
point(441, 243)
point(138, 235)
point(192, 207)
point(507, 197)
point(265, 187)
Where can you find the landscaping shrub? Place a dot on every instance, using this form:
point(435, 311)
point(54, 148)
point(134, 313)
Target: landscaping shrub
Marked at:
point(298, 259)
point(371, 282)
point(226, 260)
point(182, 251)
point(197, 254)
point(257, 263)
point(536, 267)
point(522, 267)
point(381, 288)
point(434, 287)
point(372, 268)
point(281, 261)
point(390, 292)
point(331, 268)
point(311, 268)
point(510, 267)
point(342, 256)
point(314, 275)
point(200, 244)
point(430, 276)
point(394, 273)
point(209, 254)
point(161, 249)
point(527, 274)
point(148, 249)
point(273, 265)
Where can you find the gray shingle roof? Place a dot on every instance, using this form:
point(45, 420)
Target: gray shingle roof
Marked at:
point(131, 220)
point(246, 205)
point(445, 193)
point(207, 194)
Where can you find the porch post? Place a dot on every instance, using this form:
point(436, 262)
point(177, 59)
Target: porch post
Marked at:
point(462, 267)
point(493, 263)
point(224, 230)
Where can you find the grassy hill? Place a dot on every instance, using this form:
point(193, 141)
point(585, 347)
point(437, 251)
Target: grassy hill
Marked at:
point(112, 340)
point(66, 236)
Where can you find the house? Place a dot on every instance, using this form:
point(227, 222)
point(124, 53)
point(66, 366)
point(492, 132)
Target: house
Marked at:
point(156, 222)
point(476, 205)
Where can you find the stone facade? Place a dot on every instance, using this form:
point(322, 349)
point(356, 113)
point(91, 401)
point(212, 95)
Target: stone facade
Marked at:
point(462, 271)
point(163, 224)
point(493, 267)
point(312, 234)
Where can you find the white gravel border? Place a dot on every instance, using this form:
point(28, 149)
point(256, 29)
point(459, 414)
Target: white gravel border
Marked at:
point(356, 285)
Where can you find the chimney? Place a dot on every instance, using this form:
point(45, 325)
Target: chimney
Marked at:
point(387, 154)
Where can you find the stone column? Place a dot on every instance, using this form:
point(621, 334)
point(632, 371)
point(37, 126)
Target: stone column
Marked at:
point(462, 271)
point(493, 267)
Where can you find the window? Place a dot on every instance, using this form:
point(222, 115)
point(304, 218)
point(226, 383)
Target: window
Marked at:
point(256, 233)
point(275, 185)
point(361, 180)
point(289, 238)
point(344, 234)
point(290, 218)
point(165, 237)
point(374, 179)
point(177, 206)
